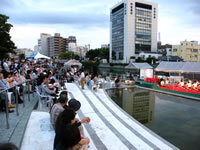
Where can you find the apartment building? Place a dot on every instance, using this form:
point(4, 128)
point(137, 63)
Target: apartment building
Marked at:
point(187, 50)
point(56, 45)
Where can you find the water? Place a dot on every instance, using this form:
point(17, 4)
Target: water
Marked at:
point(175, 119)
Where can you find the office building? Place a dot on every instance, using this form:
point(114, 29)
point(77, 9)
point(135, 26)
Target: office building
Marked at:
point(187, 50)
point(133, 29)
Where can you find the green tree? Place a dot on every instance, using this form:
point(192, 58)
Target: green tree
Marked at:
point(94, 54)
point(91, 54)
point(69, 55)
point(66, 55)
point(76, 57)
point(104, 53)
point(139, 59)
point(150, 60)
point(21, 56)
point(6, 44)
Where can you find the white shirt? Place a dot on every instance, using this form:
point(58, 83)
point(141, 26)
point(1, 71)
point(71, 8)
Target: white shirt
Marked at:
point(82, 75)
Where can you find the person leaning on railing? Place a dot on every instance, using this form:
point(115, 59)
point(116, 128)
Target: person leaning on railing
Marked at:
point(4, 85)
point(10, 80)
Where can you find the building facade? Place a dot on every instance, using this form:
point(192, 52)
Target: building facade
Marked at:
point(105, 45)
point(140, 104)
point(78, 50)
point(146, 55)
point(166, 49)
point(43, 43)
point(133, 28)
point(26, 51)
point(56, 45)
point(187, 50)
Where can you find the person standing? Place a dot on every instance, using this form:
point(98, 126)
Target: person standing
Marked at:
point(82, 79)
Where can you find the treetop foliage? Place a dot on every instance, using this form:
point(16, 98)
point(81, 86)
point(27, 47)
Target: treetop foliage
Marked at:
point(6, 44)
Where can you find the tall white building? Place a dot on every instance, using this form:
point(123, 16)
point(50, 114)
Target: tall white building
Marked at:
point(43, 43)
point(133, 28)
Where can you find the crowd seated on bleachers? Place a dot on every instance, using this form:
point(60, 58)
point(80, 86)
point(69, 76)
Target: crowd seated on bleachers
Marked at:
point(50, 81)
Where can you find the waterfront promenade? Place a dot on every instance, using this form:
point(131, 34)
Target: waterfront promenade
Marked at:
point(110, 127)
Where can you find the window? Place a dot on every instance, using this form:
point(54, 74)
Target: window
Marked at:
point(195, 50)
point(174, 50)
point(196, 56)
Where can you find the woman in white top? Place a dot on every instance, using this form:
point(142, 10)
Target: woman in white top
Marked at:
point(82, 79)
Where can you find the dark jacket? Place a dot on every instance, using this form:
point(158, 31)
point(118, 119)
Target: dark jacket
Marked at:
point(67, 136)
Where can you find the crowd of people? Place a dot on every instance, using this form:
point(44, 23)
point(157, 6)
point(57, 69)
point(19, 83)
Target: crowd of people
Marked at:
point(49, 81)
point(185, 84)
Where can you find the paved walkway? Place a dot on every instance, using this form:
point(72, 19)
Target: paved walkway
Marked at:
point(110, 127)
point(17, 123)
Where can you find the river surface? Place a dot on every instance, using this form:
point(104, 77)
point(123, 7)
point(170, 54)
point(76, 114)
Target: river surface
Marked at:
point(175, 119)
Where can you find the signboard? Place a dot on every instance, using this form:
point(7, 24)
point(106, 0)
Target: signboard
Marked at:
point(146, 73)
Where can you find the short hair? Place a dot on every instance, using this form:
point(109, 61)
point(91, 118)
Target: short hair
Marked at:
point(29, 71)
point(63, 97)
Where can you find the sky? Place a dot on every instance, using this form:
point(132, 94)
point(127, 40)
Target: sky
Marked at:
point(88, 20)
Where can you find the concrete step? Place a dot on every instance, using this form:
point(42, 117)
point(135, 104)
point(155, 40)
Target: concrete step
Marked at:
point(110, 127)
point(130, 132)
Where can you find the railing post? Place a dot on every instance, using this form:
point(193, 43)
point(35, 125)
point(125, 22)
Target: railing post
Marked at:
point(28, 91)
point(23, 94)
point(33, 87)
point(6, 104)
point(16, 96)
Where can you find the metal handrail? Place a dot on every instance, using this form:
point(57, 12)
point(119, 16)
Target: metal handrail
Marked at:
point(6, 101)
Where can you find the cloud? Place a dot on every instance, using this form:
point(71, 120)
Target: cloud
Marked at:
point(88, 20)
point(60, 17)
point(76, 13)
point(27, 35)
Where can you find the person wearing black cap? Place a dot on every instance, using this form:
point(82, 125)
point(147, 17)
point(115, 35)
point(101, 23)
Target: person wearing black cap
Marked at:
point(58, 107)
point(76, 105)
point(67, 135)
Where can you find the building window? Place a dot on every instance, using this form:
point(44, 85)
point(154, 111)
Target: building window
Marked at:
point(174, 50)
point(195, 50)
point(196, 56)
point(121, 55)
